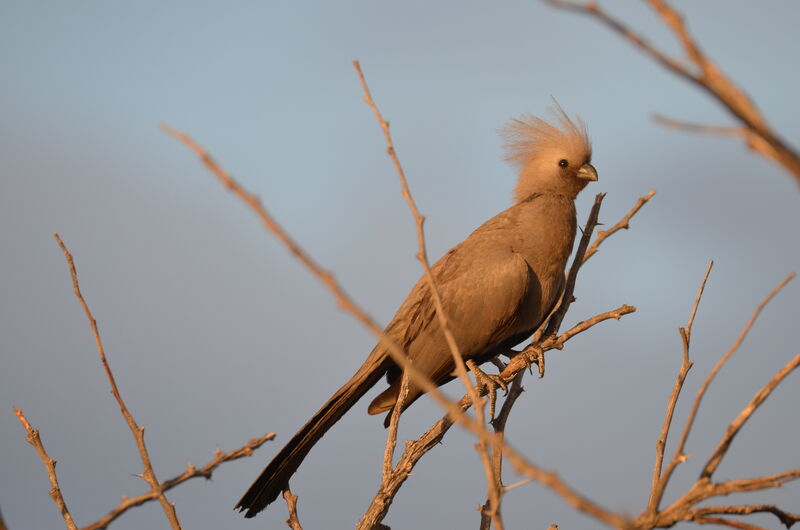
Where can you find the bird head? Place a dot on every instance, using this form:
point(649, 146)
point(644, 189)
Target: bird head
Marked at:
point(552, 157)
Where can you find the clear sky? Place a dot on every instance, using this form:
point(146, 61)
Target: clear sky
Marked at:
point(217, 335)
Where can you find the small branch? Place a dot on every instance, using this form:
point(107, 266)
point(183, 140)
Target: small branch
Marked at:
point(679, 455)
point(657, 488)
point(622, 224)
point(554, 323)
point(496, 489)
point(391, 437)
point(138, 432)
point(720, 521)
point(422, 256)
point(291, 504)
point(786, 518)
point(744, 415)
point(700, 71)
point(50, 464)
point(191, 472)
point(753, 141)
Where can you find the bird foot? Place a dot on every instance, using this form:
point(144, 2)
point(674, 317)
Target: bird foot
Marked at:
point(490, 382)
point(533, 354)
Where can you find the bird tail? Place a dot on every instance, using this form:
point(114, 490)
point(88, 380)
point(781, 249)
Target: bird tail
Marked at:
point(275, 477)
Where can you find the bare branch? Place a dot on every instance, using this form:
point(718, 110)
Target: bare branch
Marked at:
point(138, 432)
point(679, 456)
point(191, 472)
point(422, 256)
point(622, 224)
point(753, 141)
point(700, 71)
point(391, 438)
point(49, 464)
point(788, 519)
point(744, 415)
point(291, 504)
point(657, 488)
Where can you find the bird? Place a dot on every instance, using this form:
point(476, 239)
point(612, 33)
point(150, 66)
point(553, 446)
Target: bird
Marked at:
point(497, 287)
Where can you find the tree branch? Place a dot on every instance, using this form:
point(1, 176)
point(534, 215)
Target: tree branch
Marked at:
point(138, 432)
point(49, 464)
point(191, 472)
point(702, 72)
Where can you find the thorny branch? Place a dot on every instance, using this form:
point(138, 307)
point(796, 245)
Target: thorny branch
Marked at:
point(702, 72)
point(50, 464)
point(138, 432)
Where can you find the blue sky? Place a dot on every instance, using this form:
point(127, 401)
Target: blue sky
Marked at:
point(217, 335)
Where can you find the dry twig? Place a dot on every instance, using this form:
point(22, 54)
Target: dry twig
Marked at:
point(622, 224)
point(422, 256)
point(50, 464)
point(656, 491)
point(138, 432)
point(293, 521)
point(191, 472)
point(702, 72)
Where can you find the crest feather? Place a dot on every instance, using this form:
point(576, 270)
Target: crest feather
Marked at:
point(528, 136)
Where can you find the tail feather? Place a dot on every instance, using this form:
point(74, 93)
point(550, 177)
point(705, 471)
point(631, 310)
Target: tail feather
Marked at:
point(275, 477)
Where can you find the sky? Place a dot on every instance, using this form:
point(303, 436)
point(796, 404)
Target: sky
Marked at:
point(216, 334)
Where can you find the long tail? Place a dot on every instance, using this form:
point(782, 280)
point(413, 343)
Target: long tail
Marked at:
point(275, 477)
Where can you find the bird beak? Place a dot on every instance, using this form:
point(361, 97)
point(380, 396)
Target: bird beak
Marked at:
point(587, 172)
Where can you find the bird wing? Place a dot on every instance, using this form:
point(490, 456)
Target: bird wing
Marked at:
point(485, 287)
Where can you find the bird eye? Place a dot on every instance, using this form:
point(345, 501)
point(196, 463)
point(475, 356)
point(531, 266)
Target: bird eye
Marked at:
point(563, 162)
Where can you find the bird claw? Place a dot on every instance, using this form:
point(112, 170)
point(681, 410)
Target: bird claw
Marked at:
point(490, 381)
point(533, 354)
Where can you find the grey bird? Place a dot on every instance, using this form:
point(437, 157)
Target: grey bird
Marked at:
point(497, 287)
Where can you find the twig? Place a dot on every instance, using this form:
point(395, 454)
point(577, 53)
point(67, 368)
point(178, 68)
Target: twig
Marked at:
point(622, 224)
point(751, 139)
point(293, 521)
point(138, 432)
point(191, 472)
point(679, 455)
point(496, 489)
point(50, 464)
point(700, 71)
point(391, 437)
point(786, 518)
point(656, 490)
point(736, 425)
point(422, 256)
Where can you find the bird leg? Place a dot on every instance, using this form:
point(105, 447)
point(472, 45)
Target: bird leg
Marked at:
point(491, 382)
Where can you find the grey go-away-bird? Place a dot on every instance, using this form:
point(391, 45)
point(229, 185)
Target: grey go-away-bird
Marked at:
point(497, 287)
